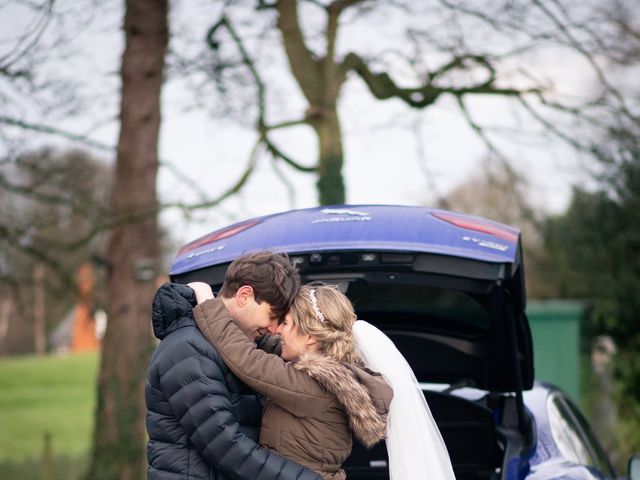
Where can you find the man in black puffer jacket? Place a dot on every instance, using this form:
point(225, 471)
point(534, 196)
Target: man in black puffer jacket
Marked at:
point(202, 421)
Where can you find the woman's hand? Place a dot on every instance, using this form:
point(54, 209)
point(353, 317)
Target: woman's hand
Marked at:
point(202, 290)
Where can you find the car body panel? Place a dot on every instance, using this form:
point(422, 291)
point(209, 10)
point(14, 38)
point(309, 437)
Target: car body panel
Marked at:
point(356, 227)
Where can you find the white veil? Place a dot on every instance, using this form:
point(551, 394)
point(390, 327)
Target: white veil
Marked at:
point(414, 444)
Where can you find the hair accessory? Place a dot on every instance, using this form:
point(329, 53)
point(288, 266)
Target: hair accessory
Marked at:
point(314, 305)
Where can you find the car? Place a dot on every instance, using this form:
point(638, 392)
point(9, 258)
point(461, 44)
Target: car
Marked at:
point(449, 290)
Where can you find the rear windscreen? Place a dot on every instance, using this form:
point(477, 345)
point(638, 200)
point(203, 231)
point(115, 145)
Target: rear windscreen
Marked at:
point(420, 306)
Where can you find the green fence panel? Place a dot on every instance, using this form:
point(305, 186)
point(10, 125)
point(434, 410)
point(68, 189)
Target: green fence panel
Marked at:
point(555, 327)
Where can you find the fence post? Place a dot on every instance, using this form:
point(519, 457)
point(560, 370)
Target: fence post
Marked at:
point(47, 457)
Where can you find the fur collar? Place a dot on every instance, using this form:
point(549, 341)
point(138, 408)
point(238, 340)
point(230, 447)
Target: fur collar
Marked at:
point(367, 424)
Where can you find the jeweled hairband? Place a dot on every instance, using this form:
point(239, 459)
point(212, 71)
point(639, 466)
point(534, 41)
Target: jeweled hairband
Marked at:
point(314, 305)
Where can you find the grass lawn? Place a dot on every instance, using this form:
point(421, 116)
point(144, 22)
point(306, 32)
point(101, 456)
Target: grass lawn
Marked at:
point(46, 394)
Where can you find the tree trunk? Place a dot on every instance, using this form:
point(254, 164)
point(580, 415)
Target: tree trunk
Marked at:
point(133, 250)
point(331, 189)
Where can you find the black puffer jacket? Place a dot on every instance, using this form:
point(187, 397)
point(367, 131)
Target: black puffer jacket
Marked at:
point(201, 420)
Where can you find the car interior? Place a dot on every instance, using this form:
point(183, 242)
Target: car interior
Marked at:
point(437, 330)
point(468, 429)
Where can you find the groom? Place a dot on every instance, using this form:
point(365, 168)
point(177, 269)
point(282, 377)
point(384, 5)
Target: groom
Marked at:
point(202, 421)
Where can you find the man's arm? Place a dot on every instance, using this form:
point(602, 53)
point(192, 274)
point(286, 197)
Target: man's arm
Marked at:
point(199, 397)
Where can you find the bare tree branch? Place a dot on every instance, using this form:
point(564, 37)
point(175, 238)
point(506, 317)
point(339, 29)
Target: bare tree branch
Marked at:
point(291, 191)
point(588, 56)
point(329, 64)
point(32, 192)
point(276, 152)
point(263, 5)
point(526, 210)
point(305, 68)
point(551, 127)
point(82, 139)
point(383, 87)
point(263, 128)
point(459, 62)
point(253, 160)
point(287, 124)
point(40, 128)
point(333, 77)
point(31, 37)
point(423, 164)
point(35, 253)
point(246, 59)
point(180, 175)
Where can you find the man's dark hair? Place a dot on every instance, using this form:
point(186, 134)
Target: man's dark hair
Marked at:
point(271, 275)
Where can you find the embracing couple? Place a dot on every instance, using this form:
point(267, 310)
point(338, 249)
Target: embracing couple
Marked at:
point(226, 399)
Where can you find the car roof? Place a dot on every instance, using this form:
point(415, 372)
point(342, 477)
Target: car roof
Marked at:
point(356, 227)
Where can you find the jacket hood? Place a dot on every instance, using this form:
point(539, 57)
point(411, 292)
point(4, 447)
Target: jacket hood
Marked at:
point(172, 308)
point(364, 395)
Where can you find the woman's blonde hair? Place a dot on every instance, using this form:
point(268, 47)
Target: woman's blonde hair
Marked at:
point(327, 314)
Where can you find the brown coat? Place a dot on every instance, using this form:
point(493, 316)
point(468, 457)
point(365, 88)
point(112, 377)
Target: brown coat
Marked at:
point(313, 404)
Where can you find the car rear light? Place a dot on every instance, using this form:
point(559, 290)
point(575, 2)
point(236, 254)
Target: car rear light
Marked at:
point(218, 235)
point(479, 225)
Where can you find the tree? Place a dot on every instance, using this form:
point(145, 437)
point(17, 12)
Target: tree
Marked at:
point(451, 58)
point(594, 249)
point(593, 246)
point(133, 249)
point(53, 204)
point(595, 240)
point(37, 96)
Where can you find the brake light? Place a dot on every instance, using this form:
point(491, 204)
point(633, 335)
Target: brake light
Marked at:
point(478, 225)
point(218, 235)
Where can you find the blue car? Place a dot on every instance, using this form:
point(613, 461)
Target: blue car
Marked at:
point(449, 290)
